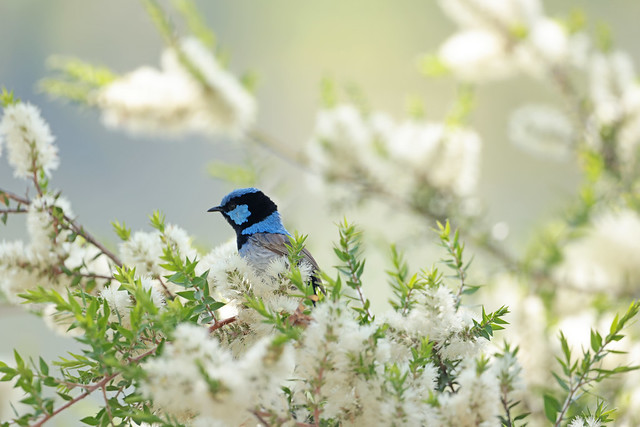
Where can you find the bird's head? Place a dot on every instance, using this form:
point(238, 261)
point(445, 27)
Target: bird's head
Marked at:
point(250, 211)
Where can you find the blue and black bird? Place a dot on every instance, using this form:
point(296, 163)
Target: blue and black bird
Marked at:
point(260, 234)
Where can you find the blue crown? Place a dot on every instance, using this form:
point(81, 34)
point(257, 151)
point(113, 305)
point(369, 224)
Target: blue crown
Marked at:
point(237, 193)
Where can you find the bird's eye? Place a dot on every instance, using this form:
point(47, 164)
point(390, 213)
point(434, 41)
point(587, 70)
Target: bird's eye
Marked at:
point(231, 207)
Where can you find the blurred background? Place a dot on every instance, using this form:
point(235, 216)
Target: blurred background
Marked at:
point(291, 46)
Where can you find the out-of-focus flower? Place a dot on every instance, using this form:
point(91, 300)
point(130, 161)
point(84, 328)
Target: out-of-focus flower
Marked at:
point(403, 157)
point(477, 55)
point(607, 256)
point(29, 140)
point(488, 13)
point(499, 38)
point(195, 377)
point(202, 97)
point(611, 78)
point(477, 402)
point(143, 251)
point(541, 130)
point(119, 303)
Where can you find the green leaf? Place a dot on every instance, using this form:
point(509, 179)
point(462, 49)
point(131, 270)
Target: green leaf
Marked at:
point(551, 407)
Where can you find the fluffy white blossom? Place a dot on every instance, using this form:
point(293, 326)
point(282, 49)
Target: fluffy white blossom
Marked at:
point(541, 130)
point(201, 98)
point(499, 38)
point(196, 377)
point(612, 85)
point(477, 55)
point(143, 251)
point(119, 303)
point(29, 140)
point(435, 315)
point(348, 145)
point(41, 228)
point(607, 256)
point(477, 401)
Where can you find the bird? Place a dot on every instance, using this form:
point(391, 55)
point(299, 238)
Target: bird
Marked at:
point(260, 235)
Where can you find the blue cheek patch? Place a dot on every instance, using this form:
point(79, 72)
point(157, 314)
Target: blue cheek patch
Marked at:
point(240, 214)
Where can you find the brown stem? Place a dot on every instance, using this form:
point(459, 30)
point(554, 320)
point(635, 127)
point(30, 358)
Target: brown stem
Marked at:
point(220, 324)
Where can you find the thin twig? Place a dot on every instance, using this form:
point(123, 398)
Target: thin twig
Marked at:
point(220, 324)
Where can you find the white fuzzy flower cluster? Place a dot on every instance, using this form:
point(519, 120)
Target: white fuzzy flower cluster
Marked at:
point(348, 366)
point(607, 257)
point(589, 421)
point(196, 377)
point(120, 301)
point(407, 156)
point(615, 93)
point(37, 263)
point(143, 250)
point(29, 140)
point(232, 279)
point(498, 38)
point(191, 93)
point(340, 369)
point(542, 130)
point(435, 311)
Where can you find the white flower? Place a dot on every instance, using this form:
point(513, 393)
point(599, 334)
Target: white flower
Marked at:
point(119, 303)
point(577, 422)
point(157, 293)
point(477, 55)
point(180, 381)
point(486, 13)
point(611, 77)
point(29, 140)
point(173, 100)
point(142, 251)
point(546, 45)
point(448, 158)
point(541, 130)
point(607, 256)
point(477, 402)
point(40, 226)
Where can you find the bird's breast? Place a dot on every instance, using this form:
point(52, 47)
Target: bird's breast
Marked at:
point(257, 256)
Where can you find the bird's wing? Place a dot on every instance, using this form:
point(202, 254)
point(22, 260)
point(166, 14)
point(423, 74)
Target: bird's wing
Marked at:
point(277, 243)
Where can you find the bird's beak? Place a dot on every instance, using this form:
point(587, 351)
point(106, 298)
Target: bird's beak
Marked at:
point(215, 209)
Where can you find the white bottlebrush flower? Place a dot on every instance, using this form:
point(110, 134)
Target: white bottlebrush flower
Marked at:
point(142, 251)
point(179, 239)
point(157, 292)
point(577, 422)
point(489, 13)
point(607, 257)
point(173, 100)
point(541, 130)
point(611, 77)
point(180, 380)
point(546, 45)
point(29, 140)
point(476, 402)
point(40, 226)
point(477, 55)
point(119, 303)
point(448, 158)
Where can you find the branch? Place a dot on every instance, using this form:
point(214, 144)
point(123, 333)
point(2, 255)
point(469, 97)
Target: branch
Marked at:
point(90, 389)
point(217, 325)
